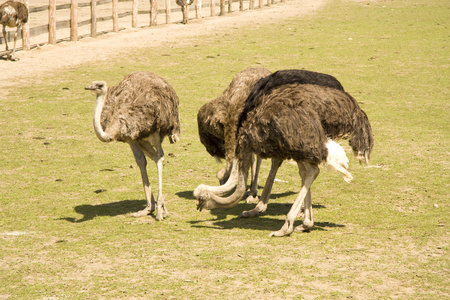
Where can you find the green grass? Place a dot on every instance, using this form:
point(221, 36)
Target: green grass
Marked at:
point(385, 235)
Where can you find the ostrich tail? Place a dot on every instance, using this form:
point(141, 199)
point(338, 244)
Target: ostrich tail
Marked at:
point(337, 159)
point(361, 140)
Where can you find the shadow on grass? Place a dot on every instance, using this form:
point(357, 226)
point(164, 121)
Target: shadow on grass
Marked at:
point(112, 209)
point(265, 222)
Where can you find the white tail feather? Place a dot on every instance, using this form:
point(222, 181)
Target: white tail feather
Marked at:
point(337, 159)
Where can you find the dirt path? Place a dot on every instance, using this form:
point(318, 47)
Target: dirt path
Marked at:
point(54, 58)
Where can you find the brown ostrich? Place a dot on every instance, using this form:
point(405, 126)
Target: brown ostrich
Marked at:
point(296, 121)
point(212, 133)
point(12, 14)
point(184, 9)
point(141, 110)
point(217, 122)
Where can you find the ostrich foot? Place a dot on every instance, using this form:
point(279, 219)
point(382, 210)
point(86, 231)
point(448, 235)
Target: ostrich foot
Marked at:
point(161, 213)
point(259, 209)
point(305, 227)
point(287, 229)
point(142, 213)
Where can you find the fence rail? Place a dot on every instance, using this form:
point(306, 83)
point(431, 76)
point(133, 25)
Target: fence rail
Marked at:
point(72, 22)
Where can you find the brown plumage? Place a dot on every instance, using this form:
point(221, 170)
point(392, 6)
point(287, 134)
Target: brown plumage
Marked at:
point(141, 111)
point(338, 113)
point(217, 119)
point(295, 121)
point(12, 14)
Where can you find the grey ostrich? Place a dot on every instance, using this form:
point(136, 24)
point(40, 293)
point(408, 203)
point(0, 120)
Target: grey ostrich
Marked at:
point(296, 121)
point(184, 9)
point(217, 122)
point(213, 132)
point(12, 14)
point(141, 110)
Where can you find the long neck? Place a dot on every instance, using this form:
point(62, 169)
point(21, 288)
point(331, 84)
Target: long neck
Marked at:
point(225, 188)
point(233, 199)
point(99, 103)
point(237, 195)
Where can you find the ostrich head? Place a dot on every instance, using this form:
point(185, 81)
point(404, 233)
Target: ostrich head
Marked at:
point(203, 198)
point(98, 87)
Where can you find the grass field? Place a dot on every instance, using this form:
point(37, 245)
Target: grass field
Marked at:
point(66, 198)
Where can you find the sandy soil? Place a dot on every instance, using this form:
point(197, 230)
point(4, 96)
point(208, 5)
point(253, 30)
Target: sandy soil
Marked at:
point(54, 58)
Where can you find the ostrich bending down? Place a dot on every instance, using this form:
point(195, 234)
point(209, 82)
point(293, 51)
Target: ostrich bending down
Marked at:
point(12, 14)
point(217, 121)
point(184, 9)
point(295, 121)
point(141, 110)
point(213, 116)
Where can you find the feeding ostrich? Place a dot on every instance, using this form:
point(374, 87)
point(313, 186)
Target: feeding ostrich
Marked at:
point(184, 9)
point(296, 121)
point(141, 110)
point(218, 118)
point(12, 14)
point(214, 141)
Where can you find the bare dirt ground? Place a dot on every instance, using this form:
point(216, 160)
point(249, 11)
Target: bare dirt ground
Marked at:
point(49, 59)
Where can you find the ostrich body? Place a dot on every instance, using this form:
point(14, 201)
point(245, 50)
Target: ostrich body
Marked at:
point(13, 14)
point(295, 121)
point(217, 122)
point(141, 110)
point(184, 9)
point(261, 87)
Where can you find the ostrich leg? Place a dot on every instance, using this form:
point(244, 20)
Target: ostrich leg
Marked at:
point(161, 211)
point(264, 199)
point(142, 163)
point(6, 40)
point(310, 172)
point(15, 41)
point(252, 193)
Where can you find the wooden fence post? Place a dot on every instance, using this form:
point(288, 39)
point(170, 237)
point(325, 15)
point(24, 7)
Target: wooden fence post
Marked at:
point(268, 3)
point(241, 5)
point(198, 9)
point(153, 12)
point(168, 11)
point(52, 22)
point(261, 3)
point(213, 8)
point(26, 32)
point(74, 20)
point(134, 14)
point(230, 9)
point(115, 15)
point(222, 7)
point(251, 4)
point(94, 18)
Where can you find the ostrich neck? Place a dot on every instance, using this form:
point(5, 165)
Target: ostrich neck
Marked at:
point(229, 185)
point(243, 166)
point(237, 195)
point(99, 103)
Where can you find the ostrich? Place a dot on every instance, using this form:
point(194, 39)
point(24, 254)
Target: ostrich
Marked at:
point(214, 141)
point(296, 121)
point(184, 9)
point(217, 121)
point(12, 14)
point(141, 110)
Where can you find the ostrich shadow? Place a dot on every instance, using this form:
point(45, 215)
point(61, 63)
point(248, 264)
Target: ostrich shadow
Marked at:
point(265, 222)
point(112, 209)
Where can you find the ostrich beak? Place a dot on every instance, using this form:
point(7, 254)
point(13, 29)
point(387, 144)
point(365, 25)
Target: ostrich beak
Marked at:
point(200, 203)
point(90, 87)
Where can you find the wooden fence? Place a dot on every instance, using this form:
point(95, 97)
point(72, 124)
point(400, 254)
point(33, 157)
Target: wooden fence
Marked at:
point(225, 6)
